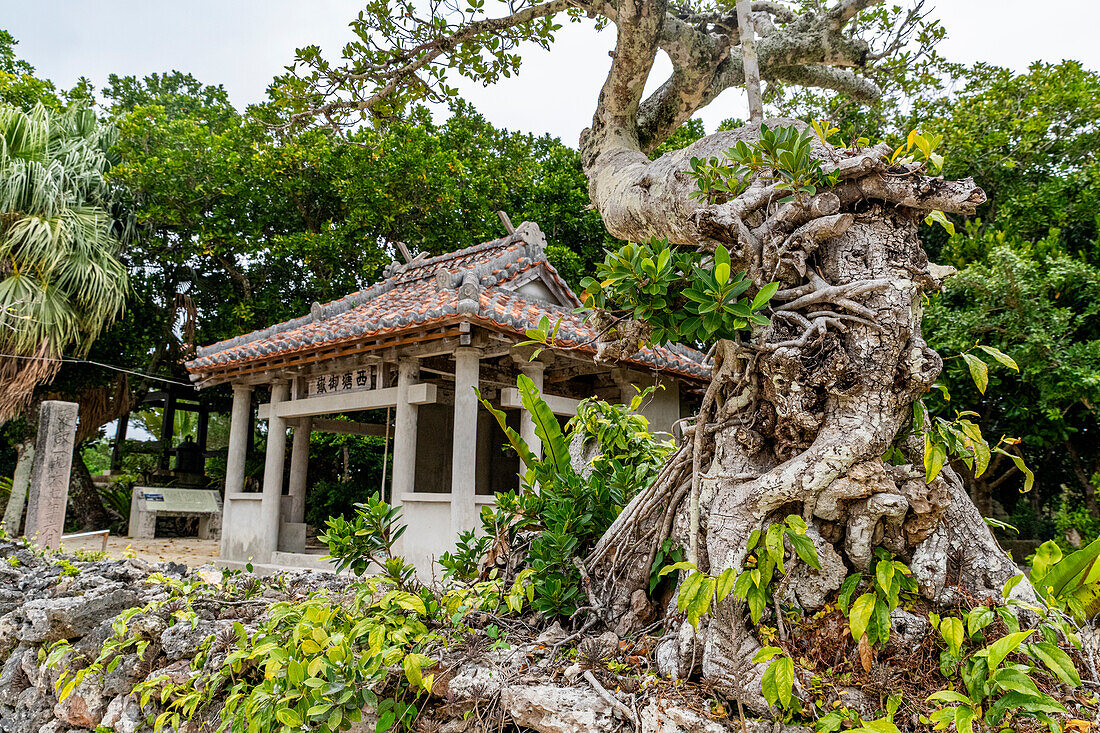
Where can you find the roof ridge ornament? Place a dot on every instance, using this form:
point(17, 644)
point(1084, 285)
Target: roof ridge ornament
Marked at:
point(469, 293)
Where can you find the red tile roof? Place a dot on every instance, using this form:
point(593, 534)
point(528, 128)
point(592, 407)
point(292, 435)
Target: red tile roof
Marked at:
point(477, 284)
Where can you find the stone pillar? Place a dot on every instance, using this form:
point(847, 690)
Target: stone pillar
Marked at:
point(404, 433)
point(299, 469)
point(240, 420)
point(13, 512)
point(534, 370)
point(274, 461)
point(49, 484)
point(464, 448)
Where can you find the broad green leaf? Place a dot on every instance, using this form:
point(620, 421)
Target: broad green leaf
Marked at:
point(724, 586)
point(934, 456)
point(884, 574)
point(517, 443)
point(847, 588)
point(882, 725)
point(288, 717)
point(964, 719)
point(977, 619)
point(1020, 701)
point(547, 427)
point(951, 629)
point(1068, 571)
point(768, 687)
point(685, 565)
point(1011, 584)
point(979, 371)
point(784, 679)
point(764, 295)
point(1004, 646)
point(766, 653)
point(949, 696)
point(860, 615)
point(722, 273)
point(804, 548)
point(1057, 661)
point(773, 541)
point(1000, 356)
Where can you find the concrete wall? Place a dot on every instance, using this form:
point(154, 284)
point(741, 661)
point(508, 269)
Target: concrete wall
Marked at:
point(428, 517)
point(662, 409)
point(243, 535)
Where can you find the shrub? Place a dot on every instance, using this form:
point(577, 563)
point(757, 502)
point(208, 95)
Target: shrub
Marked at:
point(559, 515)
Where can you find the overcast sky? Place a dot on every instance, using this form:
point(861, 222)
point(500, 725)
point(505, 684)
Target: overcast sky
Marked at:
point(242, 44)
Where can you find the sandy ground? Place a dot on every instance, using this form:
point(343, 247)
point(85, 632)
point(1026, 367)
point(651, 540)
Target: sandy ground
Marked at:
point(190, 551)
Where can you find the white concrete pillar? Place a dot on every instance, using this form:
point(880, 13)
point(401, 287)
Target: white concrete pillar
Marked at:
point(535, 371)
point(404, 433)
point(238, 438)
point(464, 450)
point(299, 469)
point(273, 474)
point(239, 420)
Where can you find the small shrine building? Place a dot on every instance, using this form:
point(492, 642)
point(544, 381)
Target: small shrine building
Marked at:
point(415, 346)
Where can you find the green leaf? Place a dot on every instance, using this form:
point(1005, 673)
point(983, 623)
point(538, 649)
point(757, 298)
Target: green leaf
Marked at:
point(1023, 702)
point(949, 696)
point(847, 588)
point(768, 687)
point(1004, 646)
point(951, 629)
point(764, 296)
point(804, 548)
point(685, 565)
point(938, 217)
point(1010, 584)
point(979, 371)
point(766, 653)
point(725, 584)
point(934, 456)
point(882, 725)
point(288, 717)
point(884, 574)
point(722, 273)
point(784, 679)
point(1029, 475)
point(547, 427)
point(517, 443)
point(773, 541)
point(860, 615)
point(964, 719)
point(1000, 356)
point(1057, 661)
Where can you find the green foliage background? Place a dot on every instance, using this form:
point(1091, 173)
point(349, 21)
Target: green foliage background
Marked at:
point(242, 226)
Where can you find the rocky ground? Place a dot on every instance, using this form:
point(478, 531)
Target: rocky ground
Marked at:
point(527, 684)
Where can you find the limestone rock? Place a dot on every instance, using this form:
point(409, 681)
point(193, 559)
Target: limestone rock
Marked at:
point(9, 632)
point(555, 709)
point(85, 705)
point(123, 715)
point(12, 678)
point(182, 640)
point(47, 620)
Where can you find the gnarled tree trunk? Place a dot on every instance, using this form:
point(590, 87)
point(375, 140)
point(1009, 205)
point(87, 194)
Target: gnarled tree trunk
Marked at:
point(798, 415)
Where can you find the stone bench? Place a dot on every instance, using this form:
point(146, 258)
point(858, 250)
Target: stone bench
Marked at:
point(149, 502)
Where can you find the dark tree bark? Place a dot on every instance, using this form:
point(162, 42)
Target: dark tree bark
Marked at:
point(85, 510)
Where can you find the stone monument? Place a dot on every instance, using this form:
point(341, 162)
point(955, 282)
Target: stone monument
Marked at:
point(48, 491)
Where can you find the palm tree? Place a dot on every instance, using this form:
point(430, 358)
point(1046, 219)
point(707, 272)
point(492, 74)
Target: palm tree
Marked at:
point(61, 282)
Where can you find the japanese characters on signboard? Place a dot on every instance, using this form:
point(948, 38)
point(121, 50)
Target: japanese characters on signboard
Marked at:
point(350, 380)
